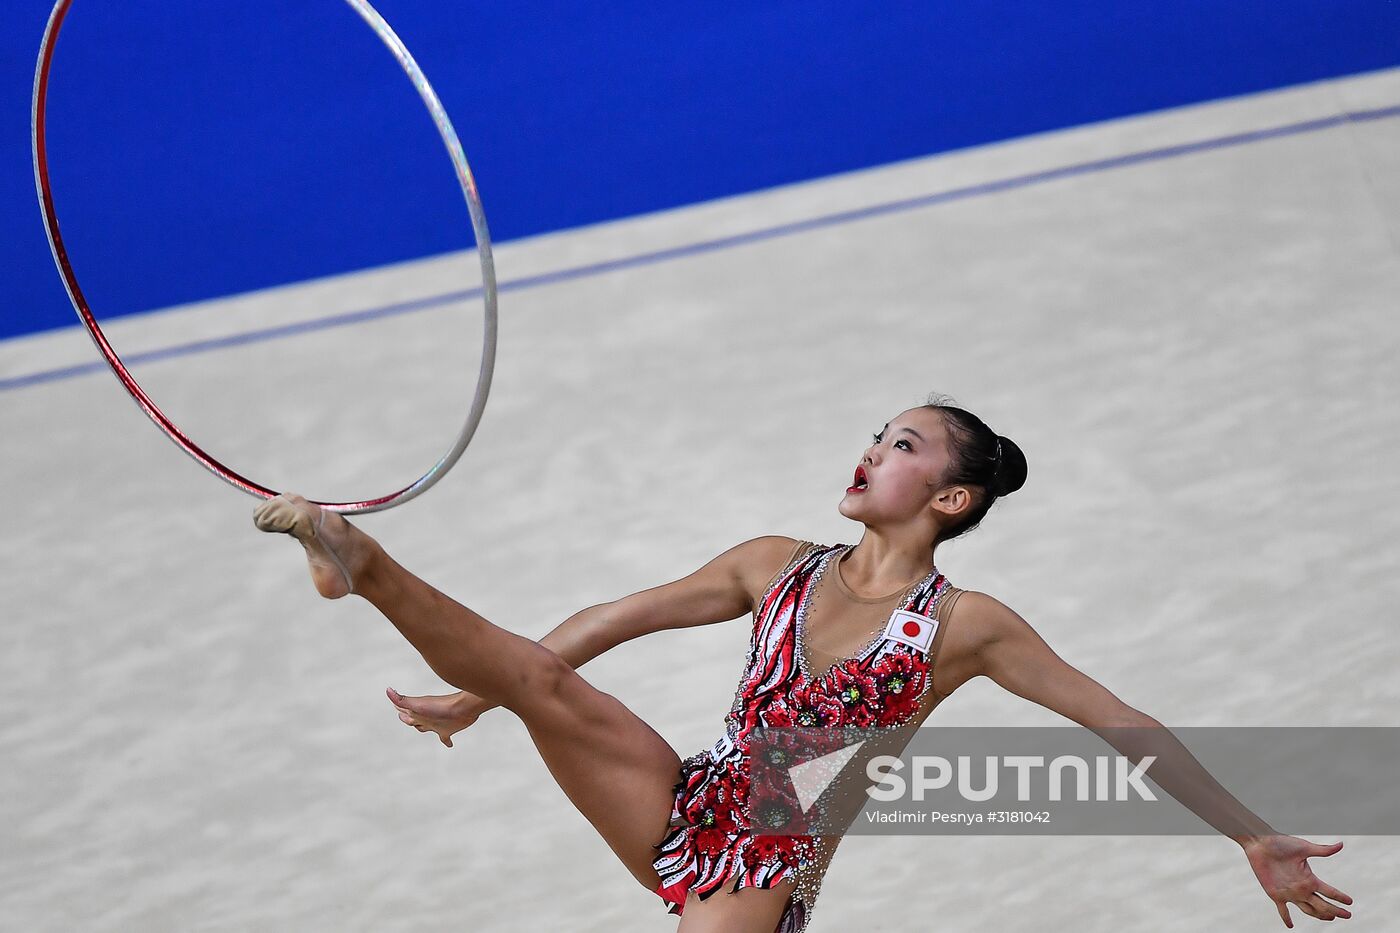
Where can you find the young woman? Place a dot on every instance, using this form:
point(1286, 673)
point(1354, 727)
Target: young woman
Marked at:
point(870, 635)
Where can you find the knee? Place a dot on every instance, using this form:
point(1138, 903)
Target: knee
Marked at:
point(547, 678)
point(559, 693)
point(549, 691)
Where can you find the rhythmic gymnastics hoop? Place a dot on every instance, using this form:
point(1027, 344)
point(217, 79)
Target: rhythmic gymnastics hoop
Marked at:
point(75, 294)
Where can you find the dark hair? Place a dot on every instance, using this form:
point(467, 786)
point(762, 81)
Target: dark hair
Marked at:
point(977, 456)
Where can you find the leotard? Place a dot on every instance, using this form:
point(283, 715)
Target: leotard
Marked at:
point(709, 845)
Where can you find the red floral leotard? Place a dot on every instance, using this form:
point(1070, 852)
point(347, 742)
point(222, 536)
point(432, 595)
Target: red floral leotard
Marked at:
point(709, 844)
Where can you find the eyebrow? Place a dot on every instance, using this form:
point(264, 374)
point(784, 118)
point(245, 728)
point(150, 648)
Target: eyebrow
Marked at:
point(910, 430)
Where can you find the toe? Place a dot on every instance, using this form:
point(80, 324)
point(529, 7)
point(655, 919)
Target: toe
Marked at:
point(276, 514)
point(264, 516)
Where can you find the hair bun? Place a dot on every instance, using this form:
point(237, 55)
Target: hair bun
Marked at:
point(1011, 467)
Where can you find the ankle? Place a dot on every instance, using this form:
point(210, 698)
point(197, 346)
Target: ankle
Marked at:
point(469, 705)
point(374, 572)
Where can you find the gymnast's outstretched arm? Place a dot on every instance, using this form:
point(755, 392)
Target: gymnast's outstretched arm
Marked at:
point(1016, 657)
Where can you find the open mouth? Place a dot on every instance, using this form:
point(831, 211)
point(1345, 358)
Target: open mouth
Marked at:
point(860, 481)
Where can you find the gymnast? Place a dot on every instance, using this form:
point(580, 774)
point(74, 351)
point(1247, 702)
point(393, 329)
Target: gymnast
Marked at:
point(870, 635)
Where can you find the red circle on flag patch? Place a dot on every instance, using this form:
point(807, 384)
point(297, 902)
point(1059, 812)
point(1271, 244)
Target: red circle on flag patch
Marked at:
point(912, 628)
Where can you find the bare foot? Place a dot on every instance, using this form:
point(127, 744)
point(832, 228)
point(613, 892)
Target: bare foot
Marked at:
point(444, 715)
point(336, 550)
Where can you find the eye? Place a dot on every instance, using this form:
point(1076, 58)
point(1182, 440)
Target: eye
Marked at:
point(878, 436)
point(904, 442)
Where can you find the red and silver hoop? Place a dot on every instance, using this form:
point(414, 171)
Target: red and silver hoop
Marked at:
point(171, 430)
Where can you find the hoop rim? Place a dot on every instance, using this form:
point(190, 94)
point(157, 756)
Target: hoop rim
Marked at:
point(38, 137)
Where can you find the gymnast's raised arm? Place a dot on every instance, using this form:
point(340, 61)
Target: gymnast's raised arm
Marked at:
point(723, 589)
point(1011, 653)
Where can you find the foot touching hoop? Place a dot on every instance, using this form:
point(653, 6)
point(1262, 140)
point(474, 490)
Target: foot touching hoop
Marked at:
point(336, 550)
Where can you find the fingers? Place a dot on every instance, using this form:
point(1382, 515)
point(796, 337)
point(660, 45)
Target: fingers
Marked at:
point(1326, 911)
point(1283, 912)
point(1314, 907)
point(1336, 895)
point(1319, 909)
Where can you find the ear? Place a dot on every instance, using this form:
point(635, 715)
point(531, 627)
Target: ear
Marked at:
point(950, 502)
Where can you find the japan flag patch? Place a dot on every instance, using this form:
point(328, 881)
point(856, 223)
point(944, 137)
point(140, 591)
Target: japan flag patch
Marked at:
point(911, 629)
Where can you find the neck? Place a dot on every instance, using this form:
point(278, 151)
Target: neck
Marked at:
point(883, 562)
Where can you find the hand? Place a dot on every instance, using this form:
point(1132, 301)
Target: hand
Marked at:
point(1281, 865)
point(444, 715)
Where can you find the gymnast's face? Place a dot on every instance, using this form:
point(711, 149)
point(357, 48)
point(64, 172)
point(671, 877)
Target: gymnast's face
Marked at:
point(900, 471)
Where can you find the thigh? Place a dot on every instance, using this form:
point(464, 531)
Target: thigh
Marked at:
point(617, 770)
point(748, 910)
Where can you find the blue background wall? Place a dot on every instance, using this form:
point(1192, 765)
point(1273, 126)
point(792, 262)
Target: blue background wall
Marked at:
point(210, 148)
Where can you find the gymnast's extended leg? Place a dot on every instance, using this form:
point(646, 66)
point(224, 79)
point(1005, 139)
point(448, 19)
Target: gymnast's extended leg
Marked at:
point(615, 768)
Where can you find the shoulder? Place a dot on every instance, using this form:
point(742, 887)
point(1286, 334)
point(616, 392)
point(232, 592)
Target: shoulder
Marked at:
point(758, 561)
point(975, 622)
point(991, 634)
point(768, 554)
point(986, 611)
point(980, 619)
